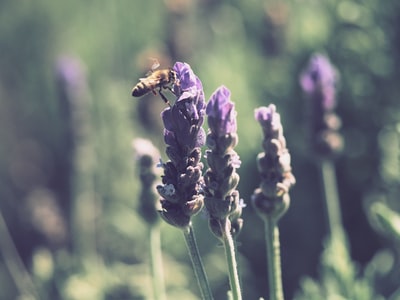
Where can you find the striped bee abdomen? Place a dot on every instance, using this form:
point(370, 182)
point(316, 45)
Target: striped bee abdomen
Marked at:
point(140, 89)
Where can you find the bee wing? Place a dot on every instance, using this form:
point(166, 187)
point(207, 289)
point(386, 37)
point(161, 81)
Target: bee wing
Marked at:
point(156, 64)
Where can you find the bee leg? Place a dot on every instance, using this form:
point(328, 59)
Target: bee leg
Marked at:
point(163, 97)
point(170, 89)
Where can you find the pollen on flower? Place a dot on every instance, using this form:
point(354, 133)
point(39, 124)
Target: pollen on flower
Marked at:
point(190, 108)
point(235, 161)
point(169, 189)
point(160, 163)
point(242, 204)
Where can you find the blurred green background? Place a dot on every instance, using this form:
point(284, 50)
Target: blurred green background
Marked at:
point(68, 183)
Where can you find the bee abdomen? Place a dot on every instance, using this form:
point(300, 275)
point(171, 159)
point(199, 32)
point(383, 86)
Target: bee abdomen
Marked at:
point(140, 89)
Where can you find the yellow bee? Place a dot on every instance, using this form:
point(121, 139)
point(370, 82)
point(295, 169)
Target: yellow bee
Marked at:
point(161, 79)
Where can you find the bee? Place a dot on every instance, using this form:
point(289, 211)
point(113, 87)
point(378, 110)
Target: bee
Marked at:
point(161, 79)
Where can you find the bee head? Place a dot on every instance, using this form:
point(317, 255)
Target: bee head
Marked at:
point(172, 76)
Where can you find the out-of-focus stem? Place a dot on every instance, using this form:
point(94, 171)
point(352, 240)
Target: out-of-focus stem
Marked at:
point(157, 271)
point(273, 259)
point(331, 198)
point(14, 264)
point(197, 263)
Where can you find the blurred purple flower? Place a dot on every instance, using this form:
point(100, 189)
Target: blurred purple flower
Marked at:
point(221, 112)
point(320, 77)
point(146, 156)
point(271, 199)
point(318, 81)
point(71, 77)
point(269, 120)
point(70, 69)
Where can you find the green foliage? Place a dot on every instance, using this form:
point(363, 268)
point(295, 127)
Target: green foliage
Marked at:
point(339, 276)
point(387, 220)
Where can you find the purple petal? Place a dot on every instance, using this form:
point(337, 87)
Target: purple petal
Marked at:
point(169, 138)
point(187, 79)
point(167, 119)
point(269, 119)
point(320, 76)
point(221, 112)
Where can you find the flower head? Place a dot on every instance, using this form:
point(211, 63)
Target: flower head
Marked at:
point(269, 120)
point(183, 133)
point(188, 84)
point(71, 71)
point(221, 112)
point(271, 199)
point(221, 197)
point(146, 156)
point(318, 81)
point(320, 77)
point(72, 84)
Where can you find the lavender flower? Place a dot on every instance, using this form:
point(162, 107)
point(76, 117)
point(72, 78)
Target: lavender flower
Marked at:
point(319, 81)
point(320, 77)
point(182, 180)
point(271, 199)
point(146, 154)
point(221, 113)
point(189, 85)
point(221, 197)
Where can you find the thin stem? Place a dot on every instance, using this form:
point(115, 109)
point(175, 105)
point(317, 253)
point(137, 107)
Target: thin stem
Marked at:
point(331, 198)
point(15, 265)
point(197, 263)
point(274, 260)
point(229, 246)
point(157, 271)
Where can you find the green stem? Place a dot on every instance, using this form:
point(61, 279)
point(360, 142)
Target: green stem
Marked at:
point(229, 246)
point(197, 263)
point(15, 265)
point(331, 198)
point(157, 271)
point(274, 260)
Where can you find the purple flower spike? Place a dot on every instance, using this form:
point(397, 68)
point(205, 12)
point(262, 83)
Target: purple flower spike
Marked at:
point(221, 197)
point(271, 199)
point(146, 157)
point(221, 112)
point(318, 81)
point(269, 120)
point(320, 77)
point(180, 191)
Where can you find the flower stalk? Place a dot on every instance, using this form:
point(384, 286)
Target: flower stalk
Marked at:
point(13, 262)
point(332, 202)
point(197, 263)
point(319, 81)
point(181, 188)
point(230, 254)
point(157, 271)
point(271, 200)
point(274, 258)
point(221, 197)
point(146, 156)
